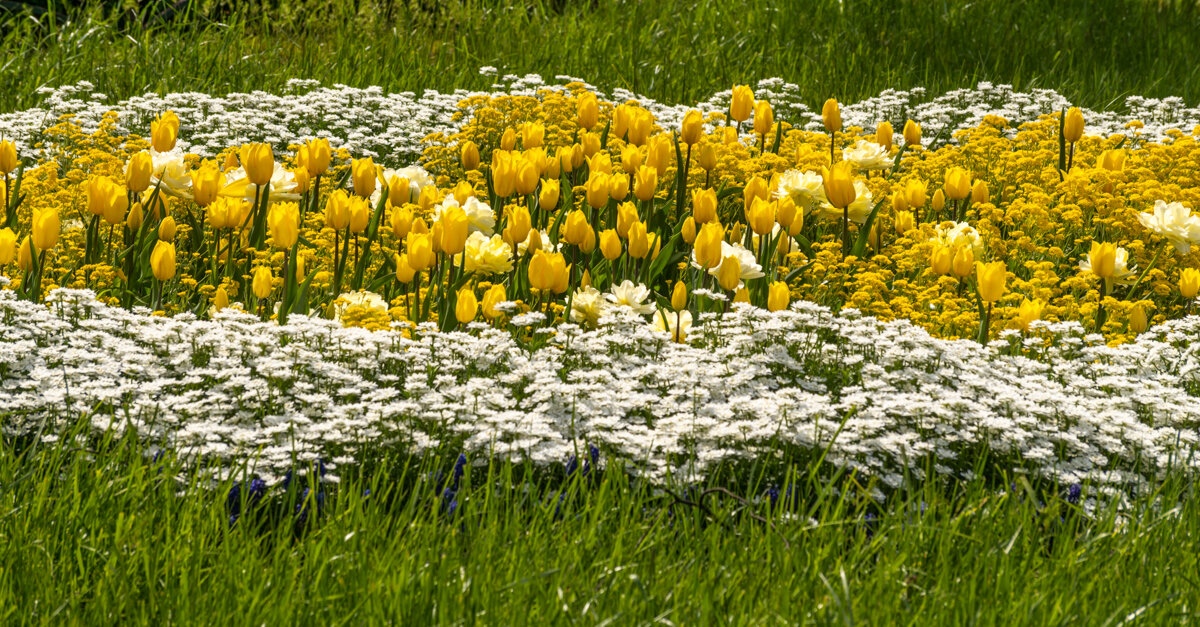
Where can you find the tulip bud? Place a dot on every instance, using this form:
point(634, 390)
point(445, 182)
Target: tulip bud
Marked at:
point(756, 187)
point(708, 245)
point(1073, 125)
point(639, 240)
point(610, 244)
point(1112, 160)
point(731, 135)
point(220, 299)
point(764, 118)
point(1138, 322)
point(899, 201)
point(742, 103)
point(588, 111)
point(641, 124)
point(164, 131)
point(831, 115)
point(1027, 312)
point(465, 306)
point(679, 296)
point(337, 210)
point(8, 156)
point(166, 229)
point(730, 273)
point(262, 283)
point(508, 139)
point(470, 156)
point(576, 227)
point(688, 230)
point(419, 247)
point(884, 135)
point(704, 205)
point(137, 172)
point(778, 296)
point(708, 157)
point(692, 127)
point(742, 295)
point(761, 216)
point(133, 220)
point(162, 260)
point(789, 216)
point(428, 197)
point(590, 145)
point(627, 214)
point(904, 222)
point(990, 278)
point(958, 183)
point(25, 255)
point(939, 201)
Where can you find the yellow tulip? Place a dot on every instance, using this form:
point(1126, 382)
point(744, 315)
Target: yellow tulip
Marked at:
point(742, 103)
point(420, 251)
point(618, 187)
point(263, 282)
point(1112, 160)
point(318, 156)
point(337, 210)
point(206, 184)
point(939, 201)
point(220, 299)
point(941, 259)
point(46, 226)
point(764, 118)
point(761, 216)
point(541, 271)
point(8, 156)
point(587, 148)
point(1138, 321)
point(470, 156)
point(508, 139)
point(1189, 282)
point(455, 227)
point(831, 115)
point(990, 278)
point(884, 134)
point(1027, 312)
point(162, 260)
point(137, 172)
point(912, 133)
point(778, 296)
point(742, 295)
point(284, 222)
point(627, 215)
point(789, 216)
point(526, 180)
point(404, 272)
point(610, 244)
point(964, 262)
point(688, 230)
point(641, 124)
point(707, 157)
point(679, 296)
point(904, 222)
point(491, 298)
point(756, 187)
point(899, 201)
point(164, 131)
point(465, 306)
point(25, 255)
point(576, 227)
point(708, 244)
point(639, 240)
point(980, 192)
point(645, 183)
point(360, 214)
point(730, 273)
point(839, 184)
point(1073, 125)
point(692, 127)
point(520, 223)
point(958, 183)
point(659, 154)
point(587, 111)
point(166, 229)
point(258, 162)
point(362, 175)
point(1103, 259)
point(8, 246)
point(916, 191)
point(133, 219)
point(596, 189)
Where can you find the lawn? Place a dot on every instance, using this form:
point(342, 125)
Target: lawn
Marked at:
point(575, 312)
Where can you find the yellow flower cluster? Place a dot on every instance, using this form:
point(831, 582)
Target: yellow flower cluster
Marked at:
point(565, 204)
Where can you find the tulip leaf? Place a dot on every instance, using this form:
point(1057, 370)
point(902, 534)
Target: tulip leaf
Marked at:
point(729, 191)
point(1062, 144)
point(301, 299)
point(864, 232)
point(797, 271)
point(805, 245)
point(778, 137)
point(665, 257)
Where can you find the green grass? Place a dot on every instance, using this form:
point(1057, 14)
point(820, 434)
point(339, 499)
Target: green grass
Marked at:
point(1094, 52)
point(102, 534)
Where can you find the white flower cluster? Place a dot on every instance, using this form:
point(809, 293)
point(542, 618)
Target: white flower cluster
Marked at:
point(878, 397)
point(391, 127)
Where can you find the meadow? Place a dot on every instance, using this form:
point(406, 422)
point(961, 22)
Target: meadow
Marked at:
point(825, 312)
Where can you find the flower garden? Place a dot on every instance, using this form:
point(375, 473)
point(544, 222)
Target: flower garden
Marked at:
point(583, 311)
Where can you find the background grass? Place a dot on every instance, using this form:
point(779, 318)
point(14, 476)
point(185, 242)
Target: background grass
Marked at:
point(1094, 52)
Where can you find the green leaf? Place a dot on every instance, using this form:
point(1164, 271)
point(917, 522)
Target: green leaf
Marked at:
point(864, 232)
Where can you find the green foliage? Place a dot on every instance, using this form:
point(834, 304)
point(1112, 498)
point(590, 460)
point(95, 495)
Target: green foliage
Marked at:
point(1095, 53)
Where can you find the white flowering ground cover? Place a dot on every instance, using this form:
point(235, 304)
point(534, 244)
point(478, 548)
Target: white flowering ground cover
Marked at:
point(881, 398)
point(390, 126)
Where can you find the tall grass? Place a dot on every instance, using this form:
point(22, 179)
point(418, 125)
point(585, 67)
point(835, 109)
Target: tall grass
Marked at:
point(102, 532)
point(1096, 53)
